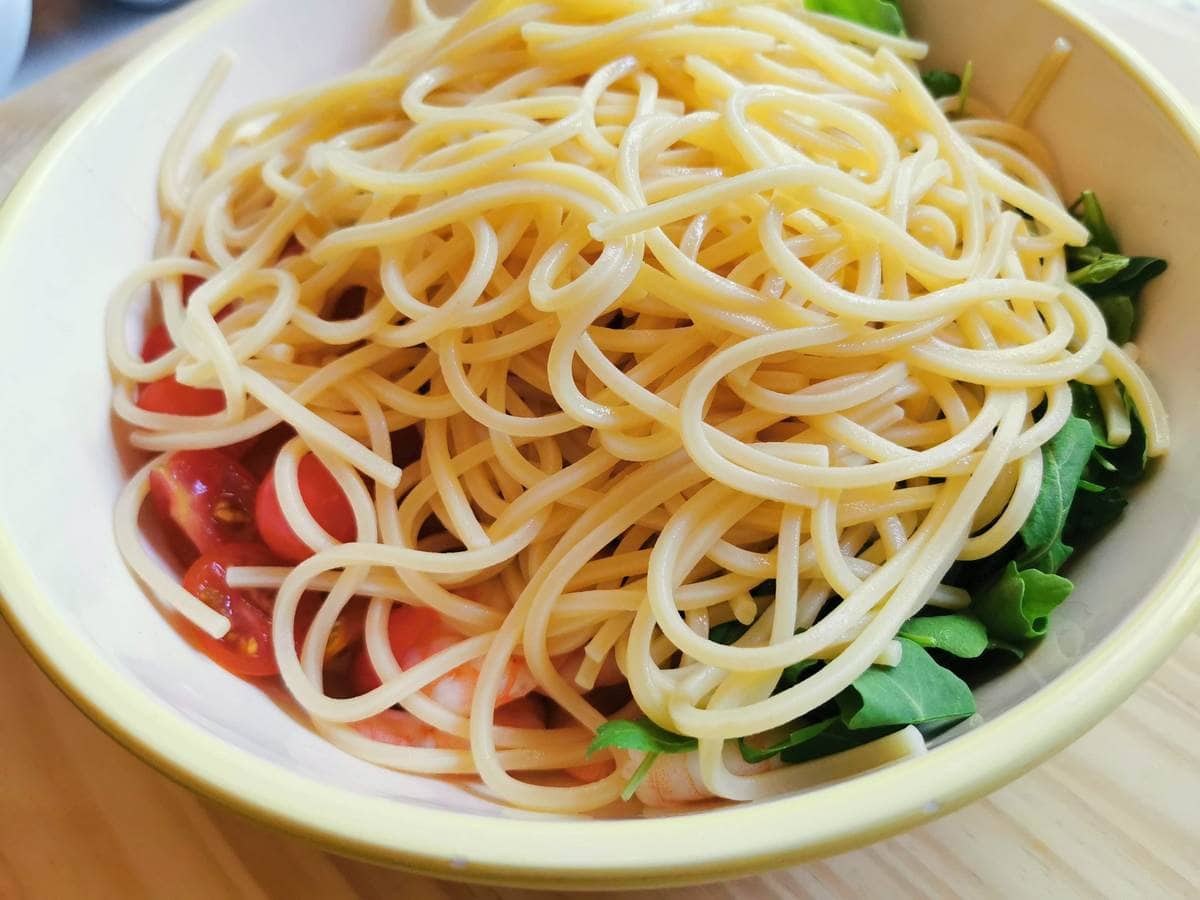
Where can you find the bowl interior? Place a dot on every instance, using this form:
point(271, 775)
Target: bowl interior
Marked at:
point(92, 217)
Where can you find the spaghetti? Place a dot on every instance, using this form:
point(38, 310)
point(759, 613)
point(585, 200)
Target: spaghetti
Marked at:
point(694, 312)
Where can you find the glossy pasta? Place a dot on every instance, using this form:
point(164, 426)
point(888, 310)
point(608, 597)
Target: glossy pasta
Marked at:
point(681, 298)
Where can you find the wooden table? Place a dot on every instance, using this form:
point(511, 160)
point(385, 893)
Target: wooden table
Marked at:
point(1116, 815)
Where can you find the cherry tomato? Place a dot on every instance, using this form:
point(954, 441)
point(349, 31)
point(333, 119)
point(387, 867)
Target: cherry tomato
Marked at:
point(169, 396)
point(246, 648)
point(324, 500)
point(261, 451)
point(347, 628)
point(208, 495)
point(407, 625)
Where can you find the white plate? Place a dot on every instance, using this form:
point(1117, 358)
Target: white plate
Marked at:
point(85, 215)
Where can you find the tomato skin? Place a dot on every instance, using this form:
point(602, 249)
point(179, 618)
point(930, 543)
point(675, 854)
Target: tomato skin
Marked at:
point(246, 648)
point(169, 396)
point(324, 500)
point(208, 495)
point(407, 626)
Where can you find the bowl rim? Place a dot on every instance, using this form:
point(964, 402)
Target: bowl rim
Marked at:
point(545, 853)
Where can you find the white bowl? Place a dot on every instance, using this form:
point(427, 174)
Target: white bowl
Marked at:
point(85, 214)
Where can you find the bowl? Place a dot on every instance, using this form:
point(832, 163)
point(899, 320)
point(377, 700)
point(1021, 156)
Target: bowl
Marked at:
point(85, 213)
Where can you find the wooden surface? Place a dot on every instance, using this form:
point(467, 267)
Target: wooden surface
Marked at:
point(1115, 815)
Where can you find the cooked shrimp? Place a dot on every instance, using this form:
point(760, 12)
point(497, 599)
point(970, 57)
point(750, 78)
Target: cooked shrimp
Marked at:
point(395, 726)
point(674, 779)
point(417, 633)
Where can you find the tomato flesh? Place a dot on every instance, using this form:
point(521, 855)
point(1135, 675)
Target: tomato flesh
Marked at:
point(347, 628)
point(208, 495)
point(246, 648)
point(322, 497)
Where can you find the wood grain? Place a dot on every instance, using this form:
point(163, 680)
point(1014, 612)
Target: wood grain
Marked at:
point(1115, 815)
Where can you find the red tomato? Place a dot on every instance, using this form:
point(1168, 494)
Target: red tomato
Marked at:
point(208, 495)
point(324, 500)
point(407, 625)
point(169, 396)
point(246, 648)
point(158, 343)
point(347, 628)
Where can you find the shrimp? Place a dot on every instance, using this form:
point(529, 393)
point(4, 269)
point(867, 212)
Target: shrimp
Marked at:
point(674, 779)
point(403, 729)
point(417, 633)
point(395, 726)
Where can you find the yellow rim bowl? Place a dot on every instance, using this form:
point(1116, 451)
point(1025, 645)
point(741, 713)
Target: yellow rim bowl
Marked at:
point(721, 843)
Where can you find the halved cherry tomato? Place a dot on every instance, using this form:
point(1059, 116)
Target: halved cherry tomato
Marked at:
point(208, 495)
point(169, 396)
point(406, 626)
point(324, 500)
point(246, 648)
point(347, 628)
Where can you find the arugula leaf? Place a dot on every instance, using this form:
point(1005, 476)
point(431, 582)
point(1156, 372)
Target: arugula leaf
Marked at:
point(834, 739)
point(727, 632)
point(1094, 511)
point(882, 15)
point(959, 635)
point(1140, 272)
point(792, 675)
point(1098, 266)
point(639, 734)
point(1086, 405)
point(964, 93)
point(1110, 278)
point(1087, 209)
point(916, 690)
point(1018, 606)
point(1063, 459)
point(1119, 315)
point(802, 735)
point(1129, 461)
point(941, 83)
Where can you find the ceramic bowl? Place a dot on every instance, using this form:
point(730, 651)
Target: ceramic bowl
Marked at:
point(85, 214)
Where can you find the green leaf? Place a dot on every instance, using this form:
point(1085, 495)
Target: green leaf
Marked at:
point(1129, 461)
point(1087, 209)
point(1098, 267)
point(801, 735)
point(964, 93)
point(727, 632)
point(638, 776)
point(1094, 511)
point(639, 734)
point(1140, 272)
point(1018, 606)
point(1086, 405)
point(941, 83)
point(792, 675)
point(1063, 460)
point(959, 635)
point(836, 738)
point(915, 691)
point(1119, 315)
point(882, 15)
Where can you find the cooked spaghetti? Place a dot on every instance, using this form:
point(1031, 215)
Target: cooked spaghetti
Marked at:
point(586, 329)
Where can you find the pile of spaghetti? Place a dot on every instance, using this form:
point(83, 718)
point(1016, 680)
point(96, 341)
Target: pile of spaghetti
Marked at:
point(618, 366)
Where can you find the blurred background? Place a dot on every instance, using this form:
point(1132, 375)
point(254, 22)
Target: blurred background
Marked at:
point(38, 37)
